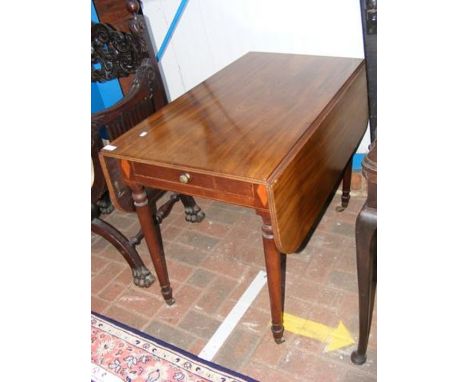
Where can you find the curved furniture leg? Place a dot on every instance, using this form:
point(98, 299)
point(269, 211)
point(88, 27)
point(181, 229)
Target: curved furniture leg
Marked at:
point(142, 277)
point(346, 188)
point(193, 212)
point(152, 235)
point(275, 278)
point(366, 231)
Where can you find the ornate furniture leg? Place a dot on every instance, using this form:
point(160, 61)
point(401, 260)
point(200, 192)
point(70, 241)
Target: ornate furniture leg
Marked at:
point(142, 277)
point(153, 238)
point(275, 279)
point(366, 225)
point(105, 204)
point(193, 212)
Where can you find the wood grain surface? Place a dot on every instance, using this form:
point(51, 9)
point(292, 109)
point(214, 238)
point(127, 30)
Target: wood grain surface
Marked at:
point(242, 121)
point(301, 186)
point(270, 131)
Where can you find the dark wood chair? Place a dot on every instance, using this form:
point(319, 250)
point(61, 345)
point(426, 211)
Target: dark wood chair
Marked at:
point(366, 222)
point(117, 54)
point(366, 254)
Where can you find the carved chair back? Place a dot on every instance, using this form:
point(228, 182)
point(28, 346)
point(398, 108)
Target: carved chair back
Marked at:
point(117, 54)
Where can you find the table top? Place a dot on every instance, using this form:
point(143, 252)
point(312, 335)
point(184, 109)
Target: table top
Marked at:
point(244, 120)
point(270, 131)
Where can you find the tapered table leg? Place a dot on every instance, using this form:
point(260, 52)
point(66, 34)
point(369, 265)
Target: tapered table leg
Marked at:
point(275, 279)
point(347, 184)
point(153, 239)
point(366, 225)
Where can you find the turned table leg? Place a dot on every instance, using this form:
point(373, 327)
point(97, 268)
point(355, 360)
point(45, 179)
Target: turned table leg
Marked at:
point(153, 239)
point(275, 278)
point(347, 184)
point(366, 226)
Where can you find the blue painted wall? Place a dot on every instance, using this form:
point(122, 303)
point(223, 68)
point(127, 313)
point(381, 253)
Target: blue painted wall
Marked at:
point(103, 94)
point(357, 160)
point(96, 99)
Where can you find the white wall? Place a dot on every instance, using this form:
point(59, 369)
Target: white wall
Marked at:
point(213, 33)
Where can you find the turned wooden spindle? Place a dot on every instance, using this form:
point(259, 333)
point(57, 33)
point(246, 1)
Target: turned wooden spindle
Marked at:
point(273, 262)
point(152, 234)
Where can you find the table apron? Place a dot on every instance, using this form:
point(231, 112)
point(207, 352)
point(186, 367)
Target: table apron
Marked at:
point(226, 190)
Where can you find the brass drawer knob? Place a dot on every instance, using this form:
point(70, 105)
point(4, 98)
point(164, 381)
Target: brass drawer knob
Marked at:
point(184, 178)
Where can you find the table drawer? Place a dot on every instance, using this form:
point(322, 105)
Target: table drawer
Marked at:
point(173, 175)
point(189, 179)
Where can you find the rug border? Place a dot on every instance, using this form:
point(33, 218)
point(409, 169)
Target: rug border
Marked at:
point(175, 348)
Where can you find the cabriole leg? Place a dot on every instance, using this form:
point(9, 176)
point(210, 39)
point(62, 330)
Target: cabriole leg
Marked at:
point(366, 230)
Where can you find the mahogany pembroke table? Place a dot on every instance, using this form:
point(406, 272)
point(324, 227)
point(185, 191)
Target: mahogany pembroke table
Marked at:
point(274, 132)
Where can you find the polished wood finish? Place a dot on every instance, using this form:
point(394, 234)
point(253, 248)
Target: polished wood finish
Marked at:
point(153, 239)
point(316, 167)
point(243, 121)
point(258, 121)
point(273, 132)
point(275, 278)
point(366, 254)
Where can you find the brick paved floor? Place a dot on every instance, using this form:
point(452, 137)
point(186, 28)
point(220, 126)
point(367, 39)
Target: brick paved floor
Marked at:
point(210, 266)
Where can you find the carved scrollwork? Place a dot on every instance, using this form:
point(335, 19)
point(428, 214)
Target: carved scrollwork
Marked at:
point(137, 28)
point(115, 54)
point(146, 74)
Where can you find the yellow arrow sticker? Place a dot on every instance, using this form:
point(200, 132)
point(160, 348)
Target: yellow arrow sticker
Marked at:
point(335, 338)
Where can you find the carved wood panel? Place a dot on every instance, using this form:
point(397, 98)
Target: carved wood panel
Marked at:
point(116, 13)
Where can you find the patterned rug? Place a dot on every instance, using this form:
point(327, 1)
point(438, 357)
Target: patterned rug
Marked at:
point(121, 353)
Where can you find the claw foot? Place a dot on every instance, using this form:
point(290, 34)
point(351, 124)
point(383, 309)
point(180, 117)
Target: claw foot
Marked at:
point(194, 214)
point(105, 205)
point(142, 277)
